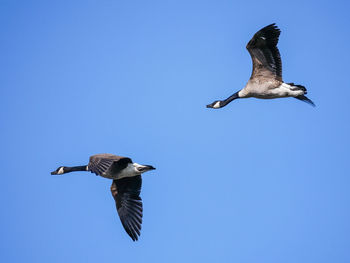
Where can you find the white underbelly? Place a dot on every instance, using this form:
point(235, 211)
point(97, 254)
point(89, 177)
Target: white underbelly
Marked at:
point(129, 171)
point(282, 91)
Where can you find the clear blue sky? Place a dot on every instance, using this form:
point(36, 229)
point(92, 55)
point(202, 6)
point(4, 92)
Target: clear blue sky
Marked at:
point(257, 181)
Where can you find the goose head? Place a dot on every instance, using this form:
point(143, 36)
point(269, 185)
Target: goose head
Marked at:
point(59, 170)
point(222, 103)
point(143, 168)
point(215, 105)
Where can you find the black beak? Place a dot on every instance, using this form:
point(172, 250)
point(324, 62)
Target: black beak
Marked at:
point(150, 167)
point(209, 106)
point(54, 172)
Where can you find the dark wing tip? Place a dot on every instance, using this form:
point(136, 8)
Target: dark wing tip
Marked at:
point(271, 27)
point(270, 32)
point(131, 217)
point(126, 192)
point(268, 35)
point(131, 232)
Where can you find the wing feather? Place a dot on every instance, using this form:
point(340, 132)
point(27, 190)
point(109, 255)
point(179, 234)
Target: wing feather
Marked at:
point(126, 193)
point(265, 54)
point(101, 163)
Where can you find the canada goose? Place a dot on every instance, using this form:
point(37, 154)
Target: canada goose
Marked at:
point(266, 79)
point(125, 188)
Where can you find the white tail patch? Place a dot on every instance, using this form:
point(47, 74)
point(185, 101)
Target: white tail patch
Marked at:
point(285, 90)
point(285, 85)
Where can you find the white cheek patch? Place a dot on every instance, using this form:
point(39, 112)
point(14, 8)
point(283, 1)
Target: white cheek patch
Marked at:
point(128, 171)
point(137, 166)
point(60, 171)
point(140, 168)
point(216, 105)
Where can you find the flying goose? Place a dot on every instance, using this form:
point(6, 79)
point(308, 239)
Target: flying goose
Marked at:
point(266, 79)
point(125, 188)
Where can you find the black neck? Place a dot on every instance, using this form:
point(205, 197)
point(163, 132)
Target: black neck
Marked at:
point(231, 98)
point(74, 169)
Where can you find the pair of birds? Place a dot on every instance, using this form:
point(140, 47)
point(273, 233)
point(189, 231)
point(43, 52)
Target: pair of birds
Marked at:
point(265, 83)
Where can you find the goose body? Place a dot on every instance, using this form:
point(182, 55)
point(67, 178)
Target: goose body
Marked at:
point(125, 188)
point(266, 78)
point(113, 167)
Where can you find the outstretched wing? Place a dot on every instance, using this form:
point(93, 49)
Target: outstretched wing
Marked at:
point(265, 54)
point(99, 164)
point(126, 193)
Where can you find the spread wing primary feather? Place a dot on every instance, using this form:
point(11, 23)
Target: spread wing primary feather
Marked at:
point(126, 193)
point(265, 54)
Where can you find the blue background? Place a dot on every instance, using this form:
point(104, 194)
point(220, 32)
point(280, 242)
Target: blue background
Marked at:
point(256, 181)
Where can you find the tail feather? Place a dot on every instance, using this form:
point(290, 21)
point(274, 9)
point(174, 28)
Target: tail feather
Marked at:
point(301, 87)
point(302, 97)
point(305, 99)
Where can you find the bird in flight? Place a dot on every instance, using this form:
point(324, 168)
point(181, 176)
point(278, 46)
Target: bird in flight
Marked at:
point(125, 188)
point(266, 79)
